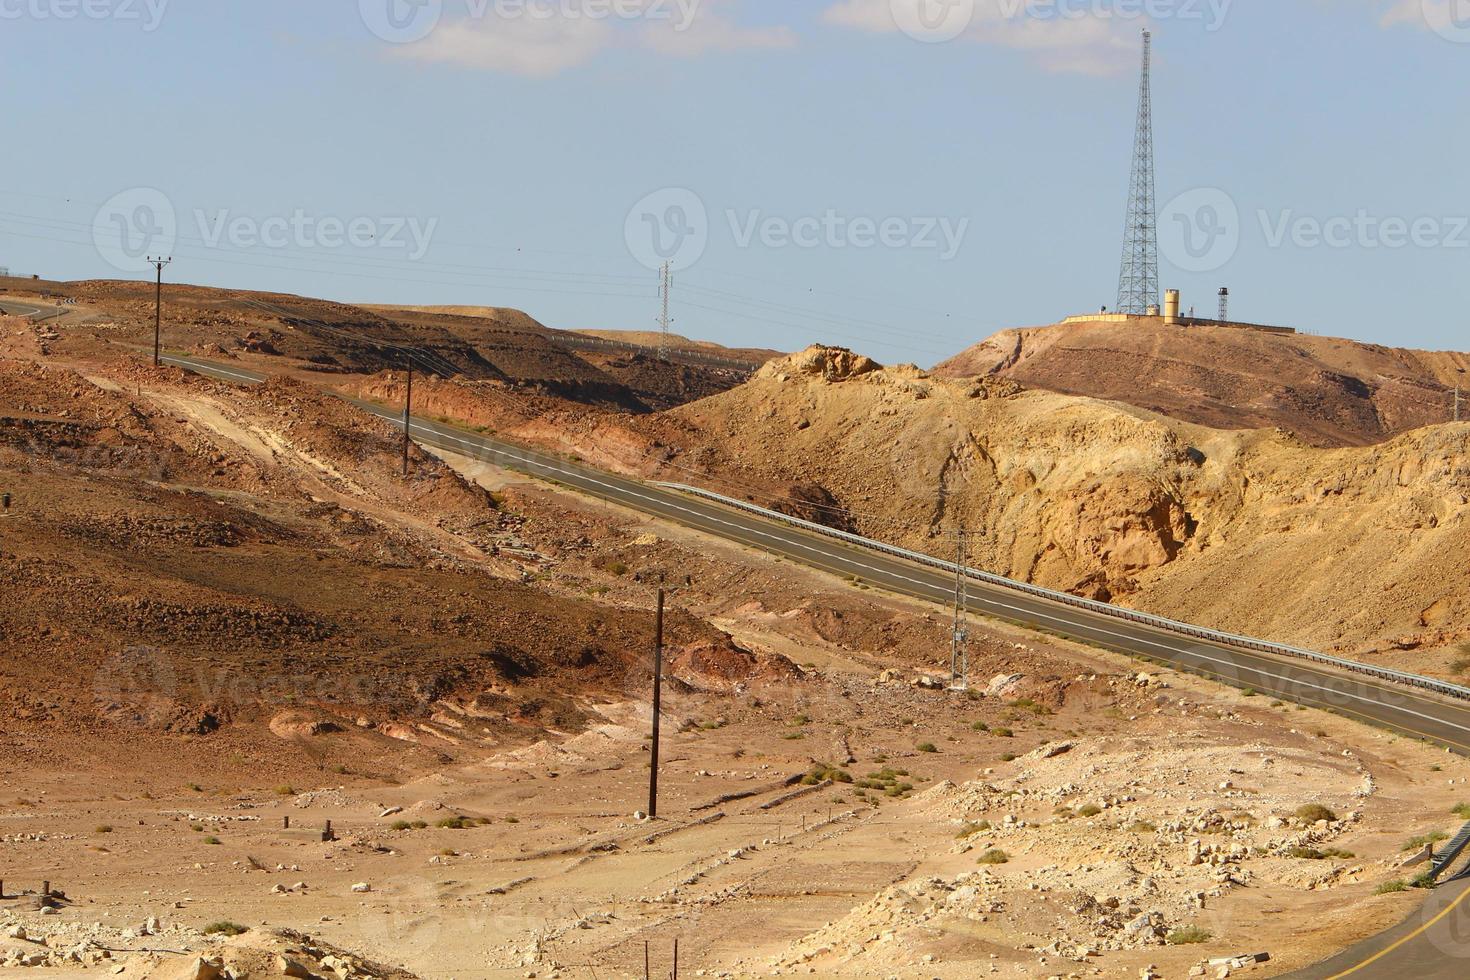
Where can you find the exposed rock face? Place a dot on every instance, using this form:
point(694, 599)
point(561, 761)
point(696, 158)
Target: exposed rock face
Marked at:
point(1352, 549)
point(828, 363)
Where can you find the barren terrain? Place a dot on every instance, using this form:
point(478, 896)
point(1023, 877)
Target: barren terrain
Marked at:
point(230, 618)
point(1353, 549)
point(1325, 390)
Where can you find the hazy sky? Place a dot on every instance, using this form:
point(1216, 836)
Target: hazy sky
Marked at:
point(899, 176)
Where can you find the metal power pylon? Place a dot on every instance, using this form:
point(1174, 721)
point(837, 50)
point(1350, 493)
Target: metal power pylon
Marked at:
point(665, 289)
point(1138, 283)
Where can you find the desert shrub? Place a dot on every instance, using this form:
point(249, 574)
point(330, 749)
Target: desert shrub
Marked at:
point(1002, 733)
point(971, 829)
point(455, 823)
point(211, 840)
point(402, 825)
point(928, 747)
point(994, 857)
point(1389, 887)
point(1188, 936)
point(224, 928)
point(1433, 837)
point(1312, 812)
point(105, 828)
point(980, 726)
point(1090, 810)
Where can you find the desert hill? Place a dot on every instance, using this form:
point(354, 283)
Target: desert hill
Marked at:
point(1328, 391)
point(323, 337)
point(755, 356)
point(1355, 549)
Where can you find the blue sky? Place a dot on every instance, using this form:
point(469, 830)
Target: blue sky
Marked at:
point(840, 171)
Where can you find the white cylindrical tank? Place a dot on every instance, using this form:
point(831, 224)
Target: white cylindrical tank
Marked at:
point(1171, 307)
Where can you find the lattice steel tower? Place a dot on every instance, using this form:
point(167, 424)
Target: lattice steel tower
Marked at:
point(1138, 283)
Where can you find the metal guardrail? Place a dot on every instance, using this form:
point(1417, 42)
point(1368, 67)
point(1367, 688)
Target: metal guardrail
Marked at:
point(1091, 605)
point(1450, 854)
point(680, 353)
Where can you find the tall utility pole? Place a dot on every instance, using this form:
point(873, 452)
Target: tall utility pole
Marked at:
point(665, 288)
point(407, 418)
point(658, 676)
point(959, 651)
point(158, 264)
point(1459, 383)
point(1138, 283)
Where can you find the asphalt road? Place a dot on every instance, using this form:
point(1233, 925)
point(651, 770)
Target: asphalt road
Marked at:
point(1419, 714)
point(20, 309)
point(1431, 944)
point(1434, 943)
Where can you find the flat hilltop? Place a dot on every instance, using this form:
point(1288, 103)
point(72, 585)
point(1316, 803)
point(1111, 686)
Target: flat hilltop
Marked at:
point(1327, 391)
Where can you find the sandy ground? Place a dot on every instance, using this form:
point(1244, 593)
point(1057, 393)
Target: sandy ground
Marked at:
point(753, 872)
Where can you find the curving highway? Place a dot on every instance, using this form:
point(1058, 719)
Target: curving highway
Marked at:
point(1433, 944)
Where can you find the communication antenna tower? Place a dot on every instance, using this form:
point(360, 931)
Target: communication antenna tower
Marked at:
point(1138, 283)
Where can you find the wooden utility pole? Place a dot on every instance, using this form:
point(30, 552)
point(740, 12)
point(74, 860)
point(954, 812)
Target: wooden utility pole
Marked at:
point(407, 419)
point(658, 670)
point(158, 264)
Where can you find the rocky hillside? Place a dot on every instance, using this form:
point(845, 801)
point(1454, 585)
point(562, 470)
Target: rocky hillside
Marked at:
point(277, 333)
point(1355, 549)
point(1327, 391)
point(186, 558)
